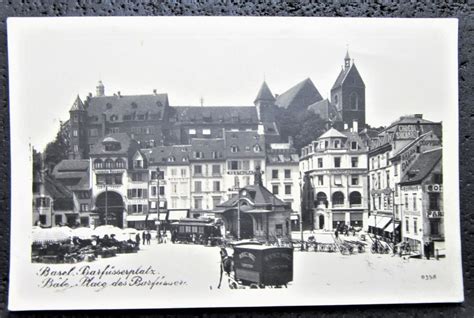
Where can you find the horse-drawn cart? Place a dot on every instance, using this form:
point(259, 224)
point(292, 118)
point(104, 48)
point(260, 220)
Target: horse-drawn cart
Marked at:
point(257, 266)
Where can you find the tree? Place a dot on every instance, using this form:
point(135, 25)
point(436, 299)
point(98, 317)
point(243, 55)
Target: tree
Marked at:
point(304, 127)
point(58, 149)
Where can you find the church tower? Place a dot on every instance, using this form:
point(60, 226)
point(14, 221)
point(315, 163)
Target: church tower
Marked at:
point(77, 133)
point(265, 102)
point(348, 94)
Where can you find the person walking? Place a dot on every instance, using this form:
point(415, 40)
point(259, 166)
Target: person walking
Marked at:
point(144, 237)
point(137, 239)
point(148, 238)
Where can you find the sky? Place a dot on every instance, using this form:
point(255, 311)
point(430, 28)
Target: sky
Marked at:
point(408, 66)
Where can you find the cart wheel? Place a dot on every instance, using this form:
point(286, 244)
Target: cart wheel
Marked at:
point(233, 285)
point(254, 286)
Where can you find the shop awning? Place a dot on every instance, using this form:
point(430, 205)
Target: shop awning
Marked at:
point(371, 221)
point(258, 211)
point(136, 217)
point(389, 229)
point(383, 221)
point(176, 215)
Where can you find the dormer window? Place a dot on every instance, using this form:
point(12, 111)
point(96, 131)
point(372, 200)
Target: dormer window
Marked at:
point(247, 148)
point(171, 159)
point(337, 143)
point(138, 163)
point(198, 155)
point(108, 106)
point(192, 131)
point(354, 145)
point(159, 104)
point(113, 118)
point(257, 148)
point(134, 105)
point(234, 148)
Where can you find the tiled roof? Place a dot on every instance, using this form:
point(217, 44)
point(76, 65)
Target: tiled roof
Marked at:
point(116, 107)
point(325, 109)
point(422, 166)
point(78, 105)
point(354, 136)
point(74, 174)
point(168, 155)
point(62, 196)
point(214, 114)
point(409, 119)
point(259, 195)
point(122, 138)
point(282, 158)
point(211, 149)
point(264, 93)
point(302, 94)
point(247, 142)
point(332, 133)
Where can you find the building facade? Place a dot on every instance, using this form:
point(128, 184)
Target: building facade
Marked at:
point(391, 154)
point(334, 168)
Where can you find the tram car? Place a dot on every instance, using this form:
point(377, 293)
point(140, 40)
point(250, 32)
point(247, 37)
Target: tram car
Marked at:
point(257, 266)
point(205, 231)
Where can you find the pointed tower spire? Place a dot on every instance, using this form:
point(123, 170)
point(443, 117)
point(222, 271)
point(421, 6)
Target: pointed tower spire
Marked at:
point(347, 60)
point(78, 104)
point(264, 94)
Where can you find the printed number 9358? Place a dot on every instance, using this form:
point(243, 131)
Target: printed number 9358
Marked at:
point(428, 277)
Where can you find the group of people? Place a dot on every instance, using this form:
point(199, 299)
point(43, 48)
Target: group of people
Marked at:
point(145, 238)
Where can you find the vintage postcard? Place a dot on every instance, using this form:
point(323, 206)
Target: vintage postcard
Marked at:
point(169, 162)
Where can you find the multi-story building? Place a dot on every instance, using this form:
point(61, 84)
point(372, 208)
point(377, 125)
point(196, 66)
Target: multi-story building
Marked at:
point(334, 168)
point(53, 203)
point(282, 173)
point(119, 181)
point(207, 171)
point(421, 192)
point(75, 175)
point(244, 151)
point(391, 154)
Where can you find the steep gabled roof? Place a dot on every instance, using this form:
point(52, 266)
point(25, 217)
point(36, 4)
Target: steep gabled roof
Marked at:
point(343, 75)
point(78, 104)
point(259, 195)
point(423, 165)
point(245, 142)
point(264, 93)
point(168, 155)
point(302, 94)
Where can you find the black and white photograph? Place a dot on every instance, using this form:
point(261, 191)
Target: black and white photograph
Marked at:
point(185, 162)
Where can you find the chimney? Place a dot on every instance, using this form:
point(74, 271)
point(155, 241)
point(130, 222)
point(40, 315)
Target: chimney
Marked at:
point(118, 94)
point(355, 126)
point(290, 141)
point(154, 91)
point(346, 126)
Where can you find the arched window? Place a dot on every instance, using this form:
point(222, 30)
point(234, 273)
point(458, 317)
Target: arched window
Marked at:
point(98, 164)
point(354, 101)
point(171, 159)
point(109, 164)
point(119, 164)
point(355, 198)
point(257, 148)
point(321, 199)
point(337, 198)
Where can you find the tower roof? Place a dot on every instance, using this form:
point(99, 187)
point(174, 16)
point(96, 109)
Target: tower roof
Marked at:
point(264, 93)
point(78, 104)
point(347, 55)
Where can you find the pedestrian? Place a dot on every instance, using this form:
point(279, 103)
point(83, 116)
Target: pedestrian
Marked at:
point(164, 238)
point(144, 237)
point(158, 237)
point(137, 239)
point(148, 238)
point(336, 234)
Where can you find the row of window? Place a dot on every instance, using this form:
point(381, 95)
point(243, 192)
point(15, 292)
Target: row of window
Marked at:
point(109, 164)
point(336, 163)
point(235, 148)
point(353, 179)
point(286, 173)
point(276, 189)
point(355, 198)
point(216, 186)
